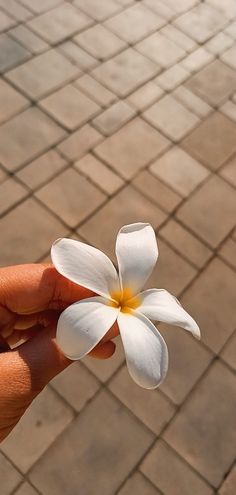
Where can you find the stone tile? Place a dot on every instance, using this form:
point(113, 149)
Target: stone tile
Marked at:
point(228, 7)
point(114, 117)
point(229, 57)
point(103, 369)
point(231, 30)
point(229, 109)
point(42, 169)
point(171, 117)
point(159, 410)
point(132, 147)
point(25, 136)
point(219, 200)
point(6, 22)
point(181, 5)
point(93, 439)
point(95, 90)
point(29, 40)
point(71, 197)
point(98, 10)
point(60, 23)
point(197, 60)
point(16, 10)
point(229, 171)
point(125, 72)
point(188, 361)
point(160, 8)
point(26, 241)
point(171, 272)
point(126, 207)
point(76, 385)
point(156, 191)
point(178, 37)
point(228, 486)
point(11, 193)
point(214, 83)
point(219, 43)
point(161, 50)
point(135, 23)
point(26, 489)
point(99, 173)
point(11, 53)
point(204, 432)
point(201, 22)
point(156, 466)
point(70, 107)
point(192, 101)
point(46, 258)
point(43, 74)
point(185, 243)
point(228, 252)
point(47, 417)
point(211, 301)
point(228, 353)
point(11, 102)
point(125, 3)
point(38, 7)
point(80, 142)
point(172, 77)
point(10, 477)
point(213, 142)
point(100, 42)
point(139, 485)
point(78, 56)
point(145, 96)
point(179, 170)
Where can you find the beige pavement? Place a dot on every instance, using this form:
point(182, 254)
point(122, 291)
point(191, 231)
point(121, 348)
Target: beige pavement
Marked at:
point(111, 112)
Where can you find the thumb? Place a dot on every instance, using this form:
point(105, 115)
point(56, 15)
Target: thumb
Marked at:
point(32, 365)
point(23, 374)
point(27, 369)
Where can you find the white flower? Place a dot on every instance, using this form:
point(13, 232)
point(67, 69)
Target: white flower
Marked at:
point(83, 324)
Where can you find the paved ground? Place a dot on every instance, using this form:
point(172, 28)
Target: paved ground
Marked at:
point(115, 111)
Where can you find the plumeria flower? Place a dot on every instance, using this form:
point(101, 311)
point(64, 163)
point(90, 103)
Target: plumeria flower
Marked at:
point(83, 324)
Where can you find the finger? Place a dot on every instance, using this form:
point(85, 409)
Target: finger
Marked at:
point(37, 361)
point(19, 337)
point(27, 289)
point(103, 351)
point(14, 328)
point(43, 318)
point(111, 334)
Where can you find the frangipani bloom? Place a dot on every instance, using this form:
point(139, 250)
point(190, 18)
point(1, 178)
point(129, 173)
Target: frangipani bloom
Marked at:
point(83, 324)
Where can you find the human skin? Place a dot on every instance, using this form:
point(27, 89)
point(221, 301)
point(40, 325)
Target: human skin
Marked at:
point(31, 300)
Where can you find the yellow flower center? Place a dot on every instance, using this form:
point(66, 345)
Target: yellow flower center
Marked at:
point(125, 300)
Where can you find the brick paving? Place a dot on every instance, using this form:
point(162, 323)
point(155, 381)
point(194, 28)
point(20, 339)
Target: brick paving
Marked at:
point(111, 112)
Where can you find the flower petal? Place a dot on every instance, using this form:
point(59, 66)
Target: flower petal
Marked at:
point(85, 265)
point(160, 305)
point(145, 349)
point(83, 324)
point(137, 252)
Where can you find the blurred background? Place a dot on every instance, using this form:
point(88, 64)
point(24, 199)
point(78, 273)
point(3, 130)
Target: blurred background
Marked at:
point(112, 112)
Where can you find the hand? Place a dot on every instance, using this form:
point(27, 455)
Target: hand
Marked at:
point(31, 299)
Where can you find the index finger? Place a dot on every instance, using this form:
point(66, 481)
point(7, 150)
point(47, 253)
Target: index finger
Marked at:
point(30, 288)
